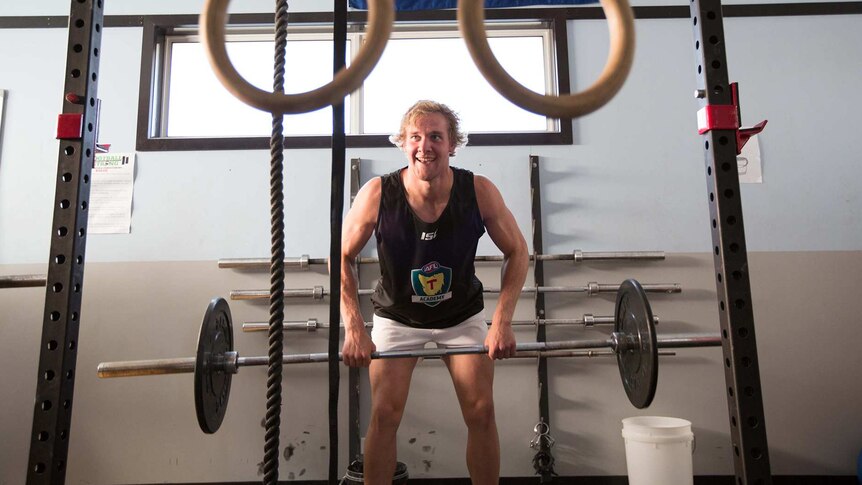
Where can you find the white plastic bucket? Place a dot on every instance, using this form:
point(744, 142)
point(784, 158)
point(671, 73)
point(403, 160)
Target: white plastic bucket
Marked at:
point(658, 450)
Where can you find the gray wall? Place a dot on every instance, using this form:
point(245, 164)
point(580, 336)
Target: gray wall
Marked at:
point(633, 180)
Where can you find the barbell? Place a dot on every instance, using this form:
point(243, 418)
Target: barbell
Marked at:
point(633, 341)
point(591, 288)
point(381, 15)
point(22, 280)
point(576, 256)
point(312, 324)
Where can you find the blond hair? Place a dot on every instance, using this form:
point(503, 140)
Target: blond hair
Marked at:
point(426, 107)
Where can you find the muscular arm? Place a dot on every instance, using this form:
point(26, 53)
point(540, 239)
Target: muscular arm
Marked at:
point(357, 229)
point(504, 231)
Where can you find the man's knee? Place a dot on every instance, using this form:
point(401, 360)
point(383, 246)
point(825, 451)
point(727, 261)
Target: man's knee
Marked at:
point(479, 414)
point(386, 415)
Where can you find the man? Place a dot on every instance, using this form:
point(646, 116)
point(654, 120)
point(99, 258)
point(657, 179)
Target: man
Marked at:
point(428, 218)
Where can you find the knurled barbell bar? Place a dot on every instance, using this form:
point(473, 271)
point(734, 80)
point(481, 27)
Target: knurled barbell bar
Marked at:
point(22, 280)
point(633, 341)
point(591, 288)
point(304, 262)
point(312, 324)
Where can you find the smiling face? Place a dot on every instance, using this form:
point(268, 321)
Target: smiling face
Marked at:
point(427, 145)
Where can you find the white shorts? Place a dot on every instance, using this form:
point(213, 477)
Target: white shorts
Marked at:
point(389, 334)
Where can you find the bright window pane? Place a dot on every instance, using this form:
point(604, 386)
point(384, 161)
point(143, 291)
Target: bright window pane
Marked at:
point(441, 69)
point(199, 106)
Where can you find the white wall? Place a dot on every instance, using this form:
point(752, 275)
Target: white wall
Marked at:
point(633, 180)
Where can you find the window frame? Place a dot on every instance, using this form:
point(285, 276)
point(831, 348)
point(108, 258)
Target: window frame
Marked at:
point(154, 55)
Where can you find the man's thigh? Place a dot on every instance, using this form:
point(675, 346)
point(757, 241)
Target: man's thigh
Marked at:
point(473, 377)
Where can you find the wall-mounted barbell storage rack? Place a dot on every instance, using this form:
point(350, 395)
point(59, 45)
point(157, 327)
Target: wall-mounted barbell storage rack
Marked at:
point(54, 396)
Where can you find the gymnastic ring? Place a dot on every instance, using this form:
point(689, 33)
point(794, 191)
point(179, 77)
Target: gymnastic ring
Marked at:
point(213, 19)
point(471, 19)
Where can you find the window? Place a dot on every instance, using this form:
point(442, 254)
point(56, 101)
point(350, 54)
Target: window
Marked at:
point(189, 109)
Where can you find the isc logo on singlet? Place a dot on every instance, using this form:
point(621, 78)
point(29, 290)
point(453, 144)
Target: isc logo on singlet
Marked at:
point(427, 236)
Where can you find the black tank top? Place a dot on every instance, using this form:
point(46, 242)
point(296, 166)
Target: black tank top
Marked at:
point(428, 277)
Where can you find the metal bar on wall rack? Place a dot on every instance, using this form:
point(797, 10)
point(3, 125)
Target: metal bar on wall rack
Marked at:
point(77, 131)
point(736, 317)
point(539, 280)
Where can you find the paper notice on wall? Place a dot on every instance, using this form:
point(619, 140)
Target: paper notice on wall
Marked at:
point(111, 185)
point(748, 162)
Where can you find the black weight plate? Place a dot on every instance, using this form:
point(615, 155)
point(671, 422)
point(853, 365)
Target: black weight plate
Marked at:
point(638, 365)
point(212, 383)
